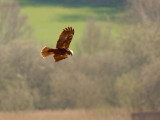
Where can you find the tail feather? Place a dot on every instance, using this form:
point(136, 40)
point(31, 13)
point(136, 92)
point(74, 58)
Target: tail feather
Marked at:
point(47, 51)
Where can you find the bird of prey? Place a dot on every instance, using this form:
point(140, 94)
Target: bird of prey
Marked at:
point(62, 48)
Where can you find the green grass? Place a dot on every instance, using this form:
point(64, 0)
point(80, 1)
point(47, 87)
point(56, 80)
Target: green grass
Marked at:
point(48, 21)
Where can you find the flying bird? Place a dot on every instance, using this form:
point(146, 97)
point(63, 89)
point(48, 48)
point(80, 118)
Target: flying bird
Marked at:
point(62, 48)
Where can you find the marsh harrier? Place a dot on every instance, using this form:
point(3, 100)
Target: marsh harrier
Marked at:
point(62, 48)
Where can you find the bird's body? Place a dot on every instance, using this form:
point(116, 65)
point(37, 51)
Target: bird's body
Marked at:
point(62, 48)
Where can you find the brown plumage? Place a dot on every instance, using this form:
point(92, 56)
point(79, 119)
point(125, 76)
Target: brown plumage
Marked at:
point(62, 48)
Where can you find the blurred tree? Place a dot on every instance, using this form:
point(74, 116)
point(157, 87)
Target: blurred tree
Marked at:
point(15, 95)
point(13, 25)
point(139, 45)
point(145, 10)
point(94, 40)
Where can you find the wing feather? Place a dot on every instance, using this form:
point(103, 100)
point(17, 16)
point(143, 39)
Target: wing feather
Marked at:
point(65, 38)
point(59, 57)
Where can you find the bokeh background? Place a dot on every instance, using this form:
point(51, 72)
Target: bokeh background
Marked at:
point(114, 72)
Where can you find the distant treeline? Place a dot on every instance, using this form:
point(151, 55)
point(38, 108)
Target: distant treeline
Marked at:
point(76, 2)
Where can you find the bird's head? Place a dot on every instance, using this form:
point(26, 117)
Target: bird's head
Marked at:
point(70, 52)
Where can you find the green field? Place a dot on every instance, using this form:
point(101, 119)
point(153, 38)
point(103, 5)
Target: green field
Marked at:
point(48, 21)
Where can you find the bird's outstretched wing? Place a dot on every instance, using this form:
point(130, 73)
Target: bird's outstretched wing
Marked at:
point(65, 38)
point(59, 57)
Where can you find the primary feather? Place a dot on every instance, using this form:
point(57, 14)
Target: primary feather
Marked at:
point(65, 38)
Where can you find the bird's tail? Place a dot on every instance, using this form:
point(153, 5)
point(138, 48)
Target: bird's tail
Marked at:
point(47, 51)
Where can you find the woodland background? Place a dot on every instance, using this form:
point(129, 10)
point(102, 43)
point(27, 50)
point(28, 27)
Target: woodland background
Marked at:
point(116, 63)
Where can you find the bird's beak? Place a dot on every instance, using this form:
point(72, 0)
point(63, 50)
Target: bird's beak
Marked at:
point(71, 52)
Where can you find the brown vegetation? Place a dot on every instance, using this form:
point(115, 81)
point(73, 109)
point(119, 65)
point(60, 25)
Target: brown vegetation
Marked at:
point(66, 115)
